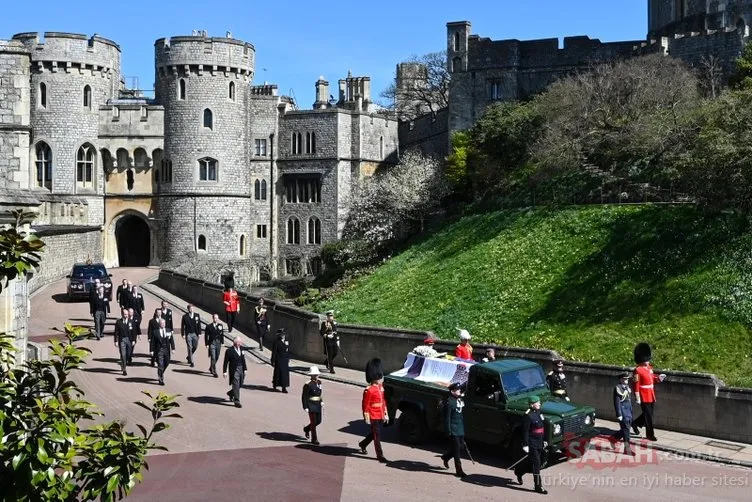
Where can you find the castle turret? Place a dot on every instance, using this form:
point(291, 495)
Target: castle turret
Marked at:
point(203, 84)
point(457, 36)
point(322, 94)
point(71, 76)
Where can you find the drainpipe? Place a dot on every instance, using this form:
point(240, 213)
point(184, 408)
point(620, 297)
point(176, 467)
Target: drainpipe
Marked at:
point(271, 205)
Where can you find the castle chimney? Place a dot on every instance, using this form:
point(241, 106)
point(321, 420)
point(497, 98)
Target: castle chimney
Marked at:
point(342, 86)
point(367, 89)
point(322, 94)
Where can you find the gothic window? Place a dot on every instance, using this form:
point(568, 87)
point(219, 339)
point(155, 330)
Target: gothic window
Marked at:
point(294, 142)
point(259, 189)
point(495, 89)
point(208, 119)
point(261, 231)
point(308, 142)
point(44, 165)
point(293, 231)
point(181, 89)
point(297, 143)
point(260, 148)
point(242, 245)
point(166, 171)
point(130, 179)
point(231, 93)
point(43, 95)
point(457, 41)
point(313, 142)
point(314, 231)
point(300, 143)
point(292, 266)
point(87, 97)
point(302, 190)
point(207, 169)
point(85, 165)
point(381, 148)
point(313, 267)
point(201, 243)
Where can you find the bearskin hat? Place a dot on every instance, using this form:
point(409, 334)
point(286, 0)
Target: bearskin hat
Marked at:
point(642, 353)
point(374, 371)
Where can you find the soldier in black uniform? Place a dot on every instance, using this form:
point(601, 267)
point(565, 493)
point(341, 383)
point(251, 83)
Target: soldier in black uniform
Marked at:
point(557, 380)
point(163, 344)
point(262, 323)
point(124, 339)
point(312, 404)
point(623, 410)
point(533, 432)
point(214, 335)
point(455, 427)
point(331, 340)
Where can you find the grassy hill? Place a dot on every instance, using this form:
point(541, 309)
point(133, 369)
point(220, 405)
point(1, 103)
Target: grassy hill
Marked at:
point(587, 282)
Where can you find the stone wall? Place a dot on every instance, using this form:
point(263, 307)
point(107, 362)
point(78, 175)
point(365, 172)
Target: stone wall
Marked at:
point(65, 245)
point(428, 134)
point(692, 403)
point(15, 128)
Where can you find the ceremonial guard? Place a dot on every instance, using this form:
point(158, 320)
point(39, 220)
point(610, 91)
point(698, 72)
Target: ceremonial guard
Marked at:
point(99, 306)
point(454, 422)
point(214, 335)
point(374, 408)
point(262, 322)
point(464, 350)
point(644, 391)
point(163, 344)
point(190, 328)
point(232, 307)
point(123, 294)
point(557, 380)
point(235, 360)
point(623, 410)
point(312, 404)
point(331, 340)
point(281, 361)
point(152, 328)
point(124, 339)
point(533, 445)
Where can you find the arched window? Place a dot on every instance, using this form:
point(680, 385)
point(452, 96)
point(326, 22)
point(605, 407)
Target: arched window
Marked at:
point(207, 169)
point(181, 89)
point(457, 41)
point(263, 189)
point(87, 97)
point(313, 142)
point(85, 165)
point(294, 141)
point(314, 231)
point(381, 148)
point(201, 243)
point(44, 165)
point(130, 179)
point(242, 245)
point(257, 189)
point(43, 95)
point(293, 231)
point(232, 91)
point(308, 142)
point(300, 143)
point(208, 119)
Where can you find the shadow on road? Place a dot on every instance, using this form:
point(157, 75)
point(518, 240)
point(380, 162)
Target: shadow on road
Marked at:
point(210, 400)
point(413, 466)
point(62, 298)
point(490, 481)
point(334, 450)
point(281, 436)
point(152, 381)
point(260, 387)
point(116, 360)
point(102, 370)
point(190, 371)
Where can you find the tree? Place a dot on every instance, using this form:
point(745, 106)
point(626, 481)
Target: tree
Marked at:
point(421, 86)
point(19, 251)
point(711, 75)
point(742, 79)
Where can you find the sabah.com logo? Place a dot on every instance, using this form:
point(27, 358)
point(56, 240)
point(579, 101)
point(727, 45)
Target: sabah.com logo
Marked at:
point(601, 452)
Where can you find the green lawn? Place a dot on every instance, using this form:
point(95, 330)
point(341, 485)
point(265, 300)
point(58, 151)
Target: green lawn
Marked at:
point(587, 282)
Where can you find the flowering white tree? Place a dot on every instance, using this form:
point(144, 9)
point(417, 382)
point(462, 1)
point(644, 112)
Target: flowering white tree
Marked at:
point(383, 208)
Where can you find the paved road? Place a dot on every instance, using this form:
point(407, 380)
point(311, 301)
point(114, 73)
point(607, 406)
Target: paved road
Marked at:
point(218, 452)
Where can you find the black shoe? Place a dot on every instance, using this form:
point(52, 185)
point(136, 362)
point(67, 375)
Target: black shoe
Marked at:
point(635, 429)
point(307, 433)
point(652, 438)
point(461, 474)
point(125, 373)
point(229, 396)
point(383, 460)
point(446, 462)
point(216, 375)
point(238, 405)
point(191, 365)
point(519, 479)
point(151, 364)
point(541, 490)
point(315, 443)
point(274, 388)
point(333, 372)
point(284, 390)
point(161, 382)
point(363, 449)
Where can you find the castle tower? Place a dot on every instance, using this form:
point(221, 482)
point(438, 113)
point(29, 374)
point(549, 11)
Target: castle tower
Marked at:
point(203, 84)
point(15, 62)
point(71, 76)
point(457, 36)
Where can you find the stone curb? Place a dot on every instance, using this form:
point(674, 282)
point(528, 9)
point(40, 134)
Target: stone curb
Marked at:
point(253, 351)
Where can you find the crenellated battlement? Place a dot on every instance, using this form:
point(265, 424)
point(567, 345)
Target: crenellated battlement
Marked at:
point(72, 51)
point(264, 90)
point(197, 54)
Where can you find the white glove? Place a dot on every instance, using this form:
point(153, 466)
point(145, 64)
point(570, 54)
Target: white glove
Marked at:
point(306, 410)
point(619, 418)
point(662, 377)
point(567, 398)
point(367, 418)
point(545, 444)
point(526, 449)
point(337, 343)
point(386, 419)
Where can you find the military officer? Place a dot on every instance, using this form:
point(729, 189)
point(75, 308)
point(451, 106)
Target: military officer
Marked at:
point(464, 350)
point(454, 423)
point(557, 380)
point(262, 322)
point(214, 335)
point(331, 340)
point(312, 404)
point(190, 328)
point(163, 344)
point(533, 444)
point(623, 410)
point(374, 408)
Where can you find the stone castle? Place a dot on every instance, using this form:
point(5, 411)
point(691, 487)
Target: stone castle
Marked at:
point(212, 165)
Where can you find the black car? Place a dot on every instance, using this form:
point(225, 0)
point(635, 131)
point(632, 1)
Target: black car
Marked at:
point(81, 280)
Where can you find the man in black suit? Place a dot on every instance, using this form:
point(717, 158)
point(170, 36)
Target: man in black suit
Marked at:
point(150, 329)
point(135, 324)
point(122, 296)
point(137, 302)
point(99, 306)
point(190, 328)
point(213, 337)
point(236, 361)
point(124, 339)
point(167, 316)
point(163, 344)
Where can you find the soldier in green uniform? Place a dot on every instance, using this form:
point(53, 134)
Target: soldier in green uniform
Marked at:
point(455, 427)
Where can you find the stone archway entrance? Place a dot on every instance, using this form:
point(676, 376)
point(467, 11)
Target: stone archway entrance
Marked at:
point(133, 239)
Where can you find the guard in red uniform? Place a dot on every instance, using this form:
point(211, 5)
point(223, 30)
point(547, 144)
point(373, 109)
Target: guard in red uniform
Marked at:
point(232, 307)
point(464, 350)
point(643, 382)
point(374, 408)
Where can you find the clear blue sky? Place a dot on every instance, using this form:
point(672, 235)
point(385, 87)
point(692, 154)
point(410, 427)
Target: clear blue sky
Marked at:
point(296, 40)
